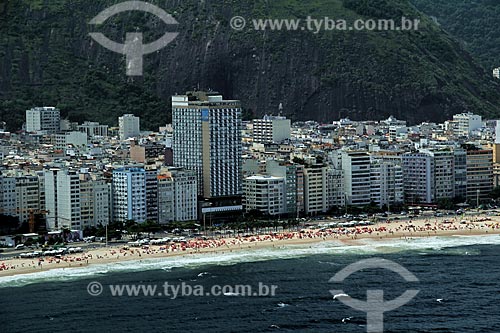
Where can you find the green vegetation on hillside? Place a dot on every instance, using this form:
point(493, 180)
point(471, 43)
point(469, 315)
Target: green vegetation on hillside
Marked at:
point(44, 61)
point(475, 22)
point(48, 59)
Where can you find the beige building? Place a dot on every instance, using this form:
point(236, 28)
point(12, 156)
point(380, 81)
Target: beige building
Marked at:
point(143, 153)
point(315, 189)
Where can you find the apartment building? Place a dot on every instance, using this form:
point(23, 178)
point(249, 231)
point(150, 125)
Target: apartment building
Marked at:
point(177, 195)
point(265, 194)
point(207, 139)
point(129, 194)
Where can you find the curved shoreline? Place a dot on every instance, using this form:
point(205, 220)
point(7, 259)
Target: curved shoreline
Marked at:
point(403, 230)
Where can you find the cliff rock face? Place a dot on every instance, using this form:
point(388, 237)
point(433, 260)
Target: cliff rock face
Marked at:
point(47, 58)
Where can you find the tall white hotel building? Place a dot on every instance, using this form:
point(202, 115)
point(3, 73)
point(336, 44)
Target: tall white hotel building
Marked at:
point(207, 140)
point(62, 199)
point(129, 194)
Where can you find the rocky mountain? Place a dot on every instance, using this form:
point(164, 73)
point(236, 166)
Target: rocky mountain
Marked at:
point(47, 58)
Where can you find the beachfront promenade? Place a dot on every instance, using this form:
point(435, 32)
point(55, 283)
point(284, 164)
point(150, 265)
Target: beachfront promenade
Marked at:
point(401, 229)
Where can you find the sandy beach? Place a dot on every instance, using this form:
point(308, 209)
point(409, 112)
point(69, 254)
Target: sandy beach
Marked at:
point(400, 229)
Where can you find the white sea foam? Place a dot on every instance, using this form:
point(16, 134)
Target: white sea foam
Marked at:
point(340, 295)
point(366, 247)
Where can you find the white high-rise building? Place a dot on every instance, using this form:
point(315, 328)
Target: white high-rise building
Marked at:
point(177, 196)
point(356, 167)
point(43, 120)
point(496, 72)
point(8, 196)
point(289, 172)
point(94, 200)
point(434, 174)
point(497, 133)
point(271, 129)
point(207, 140)
point(396, 132)
point(62, 199)
point(265, 194)
point(418, 178)
point(129, 195)
point(444, 175)
point(129, 126)
point(386, 179)
point(19, 194)
point(467, 122)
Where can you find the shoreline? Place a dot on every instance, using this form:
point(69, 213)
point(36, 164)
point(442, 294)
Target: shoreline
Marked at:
point(397, 230)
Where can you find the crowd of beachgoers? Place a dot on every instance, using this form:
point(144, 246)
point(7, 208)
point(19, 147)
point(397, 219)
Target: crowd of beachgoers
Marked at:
point(406, 229)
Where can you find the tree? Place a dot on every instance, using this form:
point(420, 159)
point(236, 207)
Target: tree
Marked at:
point(298, 160)
point(247, 114)
point(89, 231)
point(254, 214)
point(445, 203)
point(150, 227)
point(8, 224)
point(495, 194)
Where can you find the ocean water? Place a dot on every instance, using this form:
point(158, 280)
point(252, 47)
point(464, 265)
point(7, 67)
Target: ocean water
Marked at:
point(462, 272)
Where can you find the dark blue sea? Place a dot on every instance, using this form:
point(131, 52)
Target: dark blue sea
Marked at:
point(462, 273)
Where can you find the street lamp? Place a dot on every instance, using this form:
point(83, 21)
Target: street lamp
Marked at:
point(345, 202)
point(477, 199)
point(204, 224)
point(204, 216)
